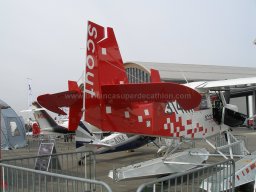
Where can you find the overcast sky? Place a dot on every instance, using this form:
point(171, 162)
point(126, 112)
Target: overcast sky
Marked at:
point(45, 40)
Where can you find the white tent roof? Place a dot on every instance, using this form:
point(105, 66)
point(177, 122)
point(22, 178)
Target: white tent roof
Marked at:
point(3, 104)
point(195, 72)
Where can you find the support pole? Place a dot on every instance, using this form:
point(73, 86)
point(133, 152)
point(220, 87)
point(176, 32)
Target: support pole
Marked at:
point(247, 106)
point(254, 103)
point(2, 184)
point(0, 132)
point(84, 84)
point(1, 179)
point(230, 147)
point(85, 170)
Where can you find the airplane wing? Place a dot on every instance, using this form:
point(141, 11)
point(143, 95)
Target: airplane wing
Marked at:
point(232, 117)
point(227, 84)
point(151, 92)
point(63, 99)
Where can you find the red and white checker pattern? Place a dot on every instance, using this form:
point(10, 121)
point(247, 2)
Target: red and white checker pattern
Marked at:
point(176, 128)
point(195, 130)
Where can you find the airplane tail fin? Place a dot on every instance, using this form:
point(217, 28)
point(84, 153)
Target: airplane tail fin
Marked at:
point(155, 76)
point(109, 99)
point(43, 119)
point(84, 135)
point(104, 66)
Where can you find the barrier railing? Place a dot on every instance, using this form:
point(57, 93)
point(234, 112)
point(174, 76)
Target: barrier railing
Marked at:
point(71, 163)
point(216, 177)
point(20, 179)
point(51, 172)
point(237, 149)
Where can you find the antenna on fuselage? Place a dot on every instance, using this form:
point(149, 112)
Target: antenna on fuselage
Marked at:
point(183, 75)
point(83, 109)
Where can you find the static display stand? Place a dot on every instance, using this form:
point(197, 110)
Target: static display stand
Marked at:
point(43, 163)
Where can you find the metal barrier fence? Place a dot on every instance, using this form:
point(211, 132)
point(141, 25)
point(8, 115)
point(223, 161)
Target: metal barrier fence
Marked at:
point(19, 179)
point(78, 164)
point(237, 149)
point(214, 178)
point(72, 171)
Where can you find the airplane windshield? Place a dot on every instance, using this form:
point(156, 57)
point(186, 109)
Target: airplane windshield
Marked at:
point(204, 103)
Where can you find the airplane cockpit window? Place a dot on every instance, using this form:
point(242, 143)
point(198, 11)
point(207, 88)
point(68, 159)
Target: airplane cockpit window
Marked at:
point(204, 103)
point(217, 107)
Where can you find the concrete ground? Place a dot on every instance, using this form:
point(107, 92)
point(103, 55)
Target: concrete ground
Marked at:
point(106, 162)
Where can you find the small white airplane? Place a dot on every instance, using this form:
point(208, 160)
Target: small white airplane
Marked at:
point(87, 137)
point(46, 123)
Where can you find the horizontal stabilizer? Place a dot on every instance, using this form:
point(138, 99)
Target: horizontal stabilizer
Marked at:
point(64, 99)
point(72, 99)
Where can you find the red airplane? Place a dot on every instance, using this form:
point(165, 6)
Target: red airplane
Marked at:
point(113, 104)
point(193, 111)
